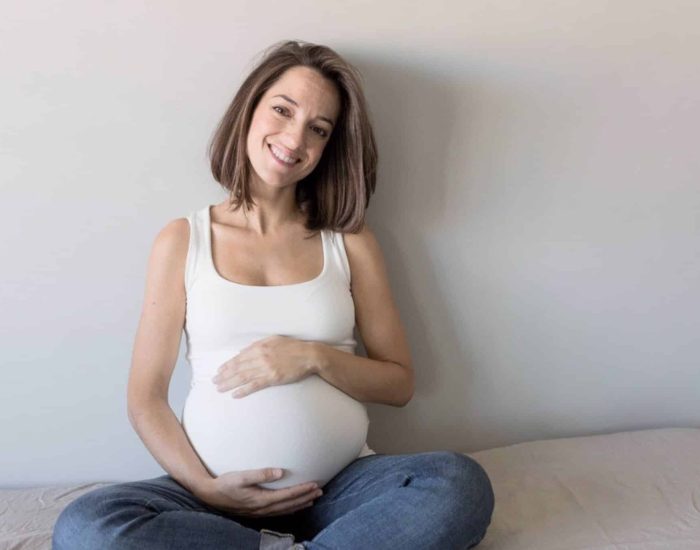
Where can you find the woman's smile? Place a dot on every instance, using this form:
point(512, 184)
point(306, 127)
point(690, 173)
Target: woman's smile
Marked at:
point(281, 158)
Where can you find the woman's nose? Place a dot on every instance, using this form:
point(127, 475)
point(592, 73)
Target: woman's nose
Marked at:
point(294, 137)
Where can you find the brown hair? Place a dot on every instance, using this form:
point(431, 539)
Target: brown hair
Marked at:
point(336, 194)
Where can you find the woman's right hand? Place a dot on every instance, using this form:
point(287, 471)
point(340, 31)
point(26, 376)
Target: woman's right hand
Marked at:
point(239, 494)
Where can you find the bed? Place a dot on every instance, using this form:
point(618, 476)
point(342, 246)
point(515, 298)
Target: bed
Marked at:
point(634, 490)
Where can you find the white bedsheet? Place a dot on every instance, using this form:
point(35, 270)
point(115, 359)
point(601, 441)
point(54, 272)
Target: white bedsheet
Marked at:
point(27, 516)
point(635, 490)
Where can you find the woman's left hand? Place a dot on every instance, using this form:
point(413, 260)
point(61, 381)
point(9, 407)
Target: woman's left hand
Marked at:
point(272, 361)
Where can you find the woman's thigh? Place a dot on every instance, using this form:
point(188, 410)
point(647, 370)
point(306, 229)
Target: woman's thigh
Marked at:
point(418, 493)
point(153, 513)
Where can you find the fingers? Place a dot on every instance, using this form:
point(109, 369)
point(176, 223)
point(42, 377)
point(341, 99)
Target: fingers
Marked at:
point(289, 505)
point(268, 497)
point(246, 389)
point(225, 383)
point(278, 501)
point(262, 475)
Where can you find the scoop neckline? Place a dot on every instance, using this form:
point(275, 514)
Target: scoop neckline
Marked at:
point(210, 254)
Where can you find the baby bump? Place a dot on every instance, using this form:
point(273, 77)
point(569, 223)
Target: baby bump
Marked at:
point(310, 428)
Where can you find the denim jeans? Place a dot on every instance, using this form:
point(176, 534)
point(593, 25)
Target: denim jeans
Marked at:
point(440, 500)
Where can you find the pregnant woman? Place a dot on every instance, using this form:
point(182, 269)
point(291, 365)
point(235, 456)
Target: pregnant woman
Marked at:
point(268, 286)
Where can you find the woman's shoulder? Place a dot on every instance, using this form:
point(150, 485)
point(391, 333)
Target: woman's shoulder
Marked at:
point(174, 232)
point(362, 239)
point(363, 249)
point(172, 241)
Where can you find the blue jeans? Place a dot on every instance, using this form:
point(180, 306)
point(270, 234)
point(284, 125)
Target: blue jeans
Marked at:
point(440, 500)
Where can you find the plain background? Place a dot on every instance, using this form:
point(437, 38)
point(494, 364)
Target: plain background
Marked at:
point(538, 205)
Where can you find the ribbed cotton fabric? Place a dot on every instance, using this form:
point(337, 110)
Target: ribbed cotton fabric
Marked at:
point(309, 427)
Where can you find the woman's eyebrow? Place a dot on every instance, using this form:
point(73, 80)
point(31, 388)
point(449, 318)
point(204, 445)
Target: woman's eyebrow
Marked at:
point(328, 120)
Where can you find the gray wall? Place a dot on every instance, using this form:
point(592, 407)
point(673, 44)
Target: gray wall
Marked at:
point(538, 206)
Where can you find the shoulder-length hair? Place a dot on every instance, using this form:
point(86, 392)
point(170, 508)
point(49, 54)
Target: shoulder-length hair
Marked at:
point(336, 194)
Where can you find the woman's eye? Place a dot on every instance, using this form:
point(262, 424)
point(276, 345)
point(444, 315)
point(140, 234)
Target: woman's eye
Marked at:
point(317, 129)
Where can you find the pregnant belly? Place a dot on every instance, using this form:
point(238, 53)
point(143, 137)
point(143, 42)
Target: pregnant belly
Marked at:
point(310, 428)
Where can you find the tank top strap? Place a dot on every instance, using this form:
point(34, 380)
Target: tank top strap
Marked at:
point(338, 254)
point(196, 260)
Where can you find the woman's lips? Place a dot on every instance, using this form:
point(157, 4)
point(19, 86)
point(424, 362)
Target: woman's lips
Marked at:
point(280, 161)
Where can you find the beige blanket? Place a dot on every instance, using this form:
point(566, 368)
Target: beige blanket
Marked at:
point(636, 490)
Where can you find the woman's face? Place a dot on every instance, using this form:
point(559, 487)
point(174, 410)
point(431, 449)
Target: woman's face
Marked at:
point(293, 119)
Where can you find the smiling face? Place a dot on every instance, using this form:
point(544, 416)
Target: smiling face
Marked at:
point(291, 125)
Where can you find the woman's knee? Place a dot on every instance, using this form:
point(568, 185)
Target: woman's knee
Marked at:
point(464, 488)
point(466, 468)
point(72, 524)
point(82, 524)
point(469, 482)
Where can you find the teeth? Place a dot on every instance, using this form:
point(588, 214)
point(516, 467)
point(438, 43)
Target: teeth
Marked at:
point(282, 156)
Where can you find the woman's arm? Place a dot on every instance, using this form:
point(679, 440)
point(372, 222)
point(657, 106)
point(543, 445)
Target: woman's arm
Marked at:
point(154, 357)
point(386, 374)
point(366, 380)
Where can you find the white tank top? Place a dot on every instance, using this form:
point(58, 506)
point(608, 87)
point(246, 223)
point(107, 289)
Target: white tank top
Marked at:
point(310, 428)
